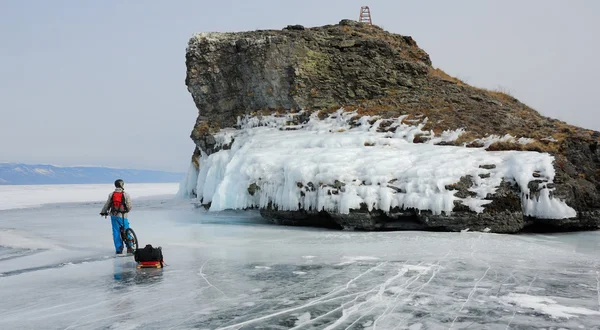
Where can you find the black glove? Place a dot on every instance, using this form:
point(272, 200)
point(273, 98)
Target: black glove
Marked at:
point(104, 214)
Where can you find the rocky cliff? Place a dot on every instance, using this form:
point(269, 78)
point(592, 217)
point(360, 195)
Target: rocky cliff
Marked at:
point(387, 77)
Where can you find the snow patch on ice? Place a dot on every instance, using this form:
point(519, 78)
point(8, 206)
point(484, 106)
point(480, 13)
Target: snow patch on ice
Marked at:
point(417, 268)
point(395, 289)
point(546, 306)
point(302, 318)
point(125, 326)
point(342, 163)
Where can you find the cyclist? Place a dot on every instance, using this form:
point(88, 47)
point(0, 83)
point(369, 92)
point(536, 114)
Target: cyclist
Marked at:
point(118, 204)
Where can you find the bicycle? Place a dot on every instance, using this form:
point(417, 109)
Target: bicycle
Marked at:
point(128, 237)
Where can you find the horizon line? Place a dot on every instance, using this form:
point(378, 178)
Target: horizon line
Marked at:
point(87, 166)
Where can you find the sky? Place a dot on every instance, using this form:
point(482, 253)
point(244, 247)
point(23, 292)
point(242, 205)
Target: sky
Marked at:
point(102, 82)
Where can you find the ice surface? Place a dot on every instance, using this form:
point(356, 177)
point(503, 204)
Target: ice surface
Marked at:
point(23, 196)
point(300, 168)
point(232, 270)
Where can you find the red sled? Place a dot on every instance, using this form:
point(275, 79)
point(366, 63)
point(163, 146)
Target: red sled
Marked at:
point(150, 264)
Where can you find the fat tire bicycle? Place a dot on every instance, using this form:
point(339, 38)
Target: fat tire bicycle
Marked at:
point(128, 237)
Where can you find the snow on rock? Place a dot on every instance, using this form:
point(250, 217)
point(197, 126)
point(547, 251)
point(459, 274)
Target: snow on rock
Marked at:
point(490, 139)
point(344, 162)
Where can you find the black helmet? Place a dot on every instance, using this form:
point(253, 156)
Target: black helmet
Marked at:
point(119, 183)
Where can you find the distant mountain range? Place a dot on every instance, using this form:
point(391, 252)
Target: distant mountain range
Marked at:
point(21, 174)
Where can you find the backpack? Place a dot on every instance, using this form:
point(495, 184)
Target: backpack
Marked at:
point(118, 202)
point(148, 254)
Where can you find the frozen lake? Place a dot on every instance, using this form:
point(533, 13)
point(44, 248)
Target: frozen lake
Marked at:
point(232, 270)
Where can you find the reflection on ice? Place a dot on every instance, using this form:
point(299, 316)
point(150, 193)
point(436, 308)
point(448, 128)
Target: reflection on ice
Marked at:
point(232, 270)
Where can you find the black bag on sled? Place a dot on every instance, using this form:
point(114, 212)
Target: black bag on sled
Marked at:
point(148, 254)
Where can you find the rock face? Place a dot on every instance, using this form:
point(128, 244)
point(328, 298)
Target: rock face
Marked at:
point(233, 73)
point(358, 66)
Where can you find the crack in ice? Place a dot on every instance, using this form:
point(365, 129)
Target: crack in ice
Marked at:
point(342, 306)
point(512, 274)
point(333, 310)
point(416, 291)
point(473, 250)
point(347, 286)
point(151, 306)
point(412, 279)
point(469, 296)
point(515, 307)
point(355, 307)
point(382, 288)
point(205, 279)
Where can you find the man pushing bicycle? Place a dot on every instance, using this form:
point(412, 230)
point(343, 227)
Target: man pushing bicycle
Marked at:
point(118, 204)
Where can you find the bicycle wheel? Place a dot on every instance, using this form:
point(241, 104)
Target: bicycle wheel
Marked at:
point(131, 239)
